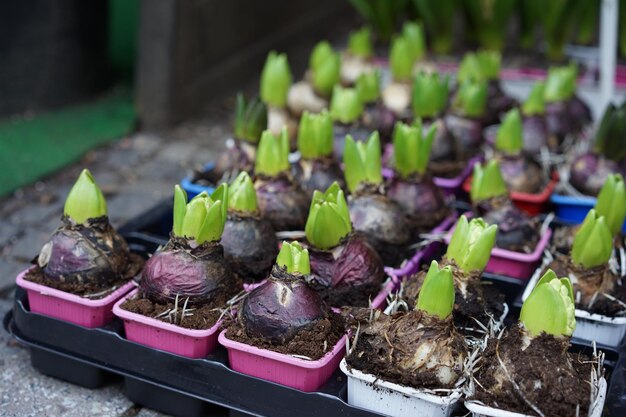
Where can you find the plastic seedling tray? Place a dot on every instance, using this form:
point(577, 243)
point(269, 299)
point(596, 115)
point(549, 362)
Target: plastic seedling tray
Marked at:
point(373, 394)
point(513, 264)
point(609, 331)
point(166, 336)
point(194, 189)
point(70, 307)
point(572, 209)
point(302, 374)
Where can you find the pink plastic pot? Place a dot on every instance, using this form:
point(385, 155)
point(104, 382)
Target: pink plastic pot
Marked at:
point(283, 369)
point(70, 307)
point(165, 336)
point(512, 264)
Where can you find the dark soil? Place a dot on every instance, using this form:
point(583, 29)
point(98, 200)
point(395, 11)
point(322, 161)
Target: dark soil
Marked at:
point(201, 318)
point(386, 348)
point(87, 289)
point(549, 377)
point(313, 343)
point(589, 281)
point(516, 230)
point(349, 296)
point(563, 239)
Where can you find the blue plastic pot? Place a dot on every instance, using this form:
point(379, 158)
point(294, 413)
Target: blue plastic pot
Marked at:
point(194, 189)
point(573, 210)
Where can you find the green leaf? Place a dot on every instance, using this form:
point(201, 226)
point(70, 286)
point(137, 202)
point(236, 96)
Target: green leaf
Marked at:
point(250, 119)
point(180, 208)
point(329, 218)
point(535, 103)
point(509, 138)
point(276, 80)
point(242, 195)
point(438, 17)
point(322, 52)
point(561, 83)
point(471, 244)
point(368, 86)
point(373, 163)
point(412, 148)
point(430, 94)
point(360, 43)
point(272, 157)
point(550, 307)
point(85, 200)
point(479, 67)
point(401, 59)
point(346, 105)
point(294, 258)
point(436, 297)
point(194, 218)
point(315, 135)
point(471, 99)
point(414, 35)
point(460, 237)
point(213, 225)
point(593, 242)
point(611, 202)
point(487, 182)
point(326, 75)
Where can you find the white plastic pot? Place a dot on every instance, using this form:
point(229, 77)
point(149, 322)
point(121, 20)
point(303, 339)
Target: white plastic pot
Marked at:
point(605, 330)
point(478, 409)
point(370, 393)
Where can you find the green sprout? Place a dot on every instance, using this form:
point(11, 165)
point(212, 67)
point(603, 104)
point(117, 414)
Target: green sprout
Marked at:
point(294, 259)
point(414, 35)
point(346, 105)
point(360, 43)
point(471, 244)
point(401, 59)
point(471, 99)
point(609, 137)
point(203, 218)
point(611, 202)
point(321, 52)
point(329, 218)
point(325, 66)
point(85, 200)
point(412, 148)
point(550, 307)
point(276, 79)
point(561, 83)
point(250, 119)
point(242, 195)
point(272, 156)
point(430, 94)
point(439, 18)
point(368, 86)
point(315, 135)
point(480, 66)
point(593, 242)
point(509, 138)
point(487, 182)
point(436, 297)
point(535, 103)
point(362, 162)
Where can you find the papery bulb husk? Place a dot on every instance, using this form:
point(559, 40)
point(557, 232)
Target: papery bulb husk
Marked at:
point(549, 377)
point(197, 272)
point(238, 158)
point(588, 283)
point(412, 349)
point(589, 171)
point(93, 256)
point(282, 202)
point(357, 130)
point(378, 117)
point(350, 274)
point(467, 134)
point(280, 308)
point(277, 118)
point(352, 67)
point(317, 174)
point(522, 173)
point(421, 200)
point(250, 246)
point(383, 224)
point(535, 133)
point(302, 97)
point(516, 230)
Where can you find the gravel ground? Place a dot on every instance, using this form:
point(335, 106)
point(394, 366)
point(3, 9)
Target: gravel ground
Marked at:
point(135, 173)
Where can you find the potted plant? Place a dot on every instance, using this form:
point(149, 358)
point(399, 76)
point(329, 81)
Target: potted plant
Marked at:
point(520, 240)
point(276, 80)
point(317, 167)
point(279, 196)
point(334, 247)
point(86, 265)
point(314, 91)
point(372, 212)
point(410, 363)
point(284, 332)
point(249, 240)
point(527, 370)
point(467, 255)
point(185, 287)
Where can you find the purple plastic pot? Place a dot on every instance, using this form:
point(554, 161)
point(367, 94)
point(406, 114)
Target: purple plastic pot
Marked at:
point(297, 373)
point(70, 307)
point(165, 336)
point(512, 264)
